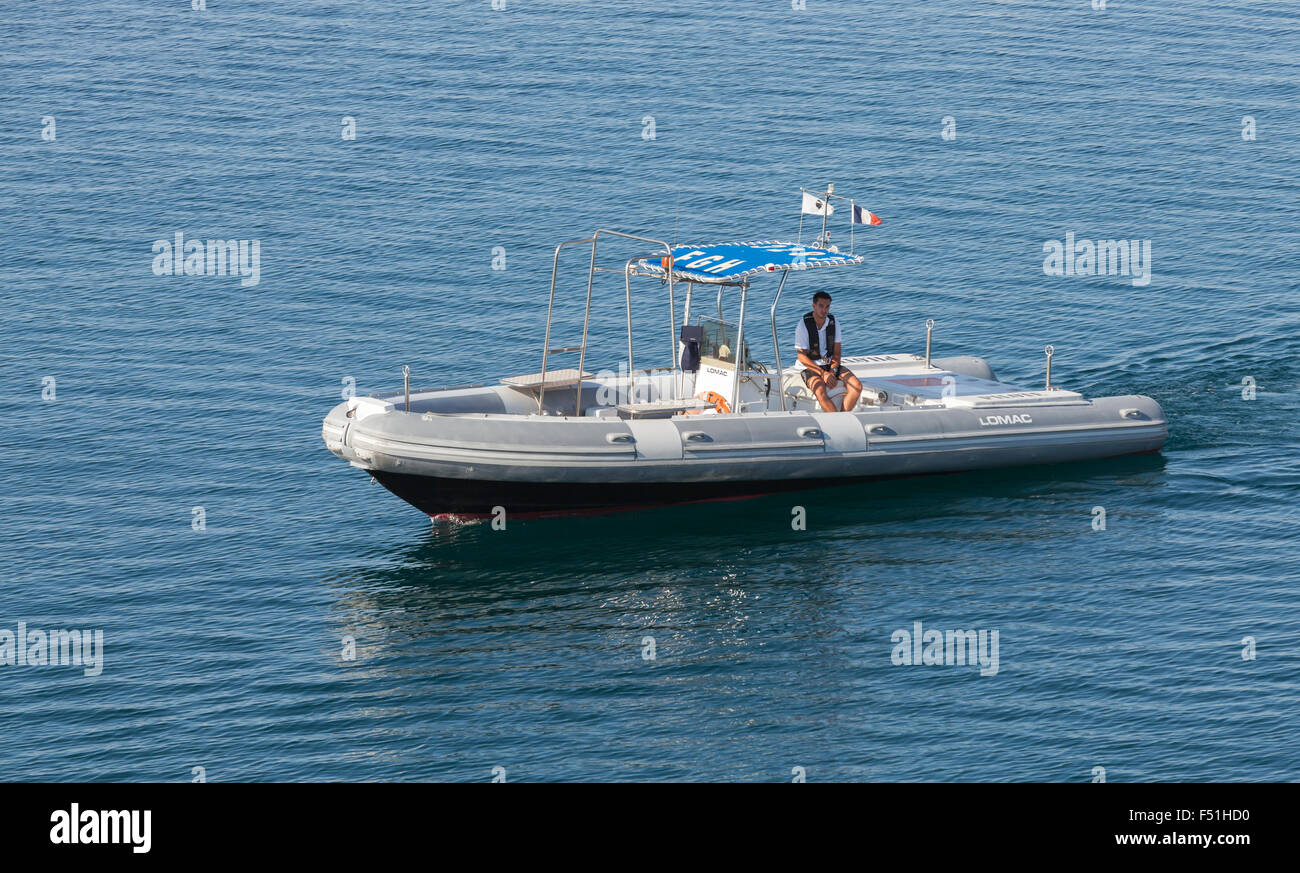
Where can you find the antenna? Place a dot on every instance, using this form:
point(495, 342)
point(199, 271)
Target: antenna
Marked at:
point(823, 240)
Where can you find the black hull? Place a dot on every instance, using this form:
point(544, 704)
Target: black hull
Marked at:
point(440, 497)
point(436, 496)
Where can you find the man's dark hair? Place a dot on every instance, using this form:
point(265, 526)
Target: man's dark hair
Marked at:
point(819, 295)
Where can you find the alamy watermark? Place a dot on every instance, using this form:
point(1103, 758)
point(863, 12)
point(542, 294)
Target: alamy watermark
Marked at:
point(951, 648)
point(54, 648)
point(215, 257)
point(75, 825)
point(1105, 257)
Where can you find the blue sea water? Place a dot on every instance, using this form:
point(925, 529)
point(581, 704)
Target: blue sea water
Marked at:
point(522, 649)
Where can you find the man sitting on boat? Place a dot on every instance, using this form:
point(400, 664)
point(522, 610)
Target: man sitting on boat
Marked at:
point(817, 339)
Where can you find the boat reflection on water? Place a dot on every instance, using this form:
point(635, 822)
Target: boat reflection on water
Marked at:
point(709, 641)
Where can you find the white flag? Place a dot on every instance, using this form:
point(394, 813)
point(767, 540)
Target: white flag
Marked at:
point(817, 205)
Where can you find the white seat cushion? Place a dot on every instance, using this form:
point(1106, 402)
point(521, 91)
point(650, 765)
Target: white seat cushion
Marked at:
point(793, 385)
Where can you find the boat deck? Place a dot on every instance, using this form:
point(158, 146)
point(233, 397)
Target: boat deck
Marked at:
point(908, 381)
point(562, 378)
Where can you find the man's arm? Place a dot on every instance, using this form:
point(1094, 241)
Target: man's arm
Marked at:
point(828, 373)
point(805, 358)
point(839, 351)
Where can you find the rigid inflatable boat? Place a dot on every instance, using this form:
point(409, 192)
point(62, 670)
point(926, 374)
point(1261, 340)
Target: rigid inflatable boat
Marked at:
point(715, 422)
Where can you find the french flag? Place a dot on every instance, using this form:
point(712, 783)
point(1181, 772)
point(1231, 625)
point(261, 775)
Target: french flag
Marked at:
point(862, 216)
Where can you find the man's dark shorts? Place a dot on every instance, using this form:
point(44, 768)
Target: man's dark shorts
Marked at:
point(845, 373)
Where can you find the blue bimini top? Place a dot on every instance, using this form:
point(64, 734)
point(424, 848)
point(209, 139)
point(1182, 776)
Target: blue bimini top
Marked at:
point(728, 262)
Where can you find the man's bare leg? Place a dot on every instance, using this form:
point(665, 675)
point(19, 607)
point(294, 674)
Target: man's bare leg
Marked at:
point(854, 392)
point(818, 387)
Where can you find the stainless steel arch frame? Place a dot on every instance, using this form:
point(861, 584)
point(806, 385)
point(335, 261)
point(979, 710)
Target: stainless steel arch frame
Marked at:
point(592, 269)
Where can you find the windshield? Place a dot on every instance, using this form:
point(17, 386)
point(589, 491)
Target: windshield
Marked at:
point(719, 341)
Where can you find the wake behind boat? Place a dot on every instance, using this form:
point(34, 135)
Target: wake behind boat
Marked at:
point(716, 422)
